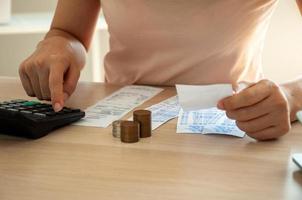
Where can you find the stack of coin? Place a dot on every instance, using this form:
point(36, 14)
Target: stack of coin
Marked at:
point(116, 128)
point(129, 131)
point(143, 117)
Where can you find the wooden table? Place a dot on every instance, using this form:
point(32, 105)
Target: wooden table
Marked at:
point(88, 163)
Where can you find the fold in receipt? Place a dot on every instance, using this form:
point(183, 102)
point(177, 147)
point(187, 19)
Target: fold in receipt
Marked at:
point(197, 97)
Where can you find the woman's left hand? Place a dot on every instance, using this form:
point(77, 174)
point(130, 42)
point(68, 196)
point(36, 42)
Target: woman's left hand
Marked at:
point(262, 110)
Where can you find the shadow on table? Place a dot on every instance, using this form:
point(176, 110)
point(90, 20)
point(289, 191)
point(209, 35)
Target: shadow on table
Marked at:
point(297, 176)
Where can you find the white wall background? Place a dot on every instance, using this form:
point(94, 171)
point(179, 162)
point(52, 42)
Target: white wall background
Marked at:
point(33, 5)
point(15, 48)
point(282, 52)
point(282, 59)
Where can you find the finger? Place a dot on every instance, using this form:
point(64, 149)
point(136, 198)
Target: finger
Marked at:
point(258, 124)
point(56, 79)
point(238, 87)
point(70, 81)
point(25, 80)
point(268, 133)
point(44, 84)
point(251, 112)
point(34, 80)
point(248, 96)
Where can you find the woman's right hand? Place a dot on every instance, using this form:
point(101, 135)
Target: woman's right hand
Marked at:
point(53, 70)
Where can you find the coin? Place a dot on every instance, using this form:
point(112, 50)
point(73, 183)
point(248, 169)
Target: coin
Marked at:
point(143, 117)
point(129, 131)
point(116, 128)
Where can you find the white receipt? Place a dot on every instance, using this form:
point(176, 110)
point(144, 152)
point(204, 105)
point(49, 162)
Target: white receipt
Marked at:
point(196, 97)
point(118, 104)
point(207, 121)
point(163, 111)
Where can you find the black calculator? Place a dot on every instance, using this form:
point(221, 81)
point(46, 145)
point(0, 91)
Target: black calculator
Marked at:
point(33, 119)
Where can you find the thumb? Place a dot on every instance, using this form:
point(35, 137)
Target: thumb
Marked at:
point(56, 80)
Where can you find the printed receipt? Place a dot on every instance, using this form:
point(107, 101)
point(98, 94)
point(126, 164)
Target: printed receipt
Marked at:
point(118, 104)
point(207, 121)
point(164, 111)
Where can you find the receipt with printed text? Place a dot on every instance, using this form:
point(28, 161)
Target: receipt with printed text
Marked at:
point(163, 112)
point(207, 121)
point(118, 104)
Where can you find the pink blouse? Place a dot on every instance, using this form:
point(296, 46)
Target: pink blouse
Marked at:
point(167, 42)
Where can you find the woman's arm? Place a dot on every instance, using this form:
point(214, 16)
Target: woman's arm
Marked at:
point(75, 18)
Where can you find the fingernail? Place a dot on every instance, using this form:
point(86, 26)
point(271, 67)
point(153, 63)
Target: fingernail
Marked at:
point(220, 105)
point(57, 107)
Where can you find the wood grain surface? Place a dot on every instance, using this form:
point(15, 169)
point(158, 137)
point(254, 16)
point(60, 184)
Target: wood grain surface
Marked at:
point(77, 162)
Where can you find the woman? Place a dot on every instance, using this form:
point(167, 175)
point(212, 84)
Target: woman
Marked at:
point(164, 42)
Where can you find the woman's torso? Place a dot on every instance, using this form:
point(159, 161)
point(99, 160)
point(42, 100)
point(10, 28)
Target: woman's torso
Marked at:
point(164, 42)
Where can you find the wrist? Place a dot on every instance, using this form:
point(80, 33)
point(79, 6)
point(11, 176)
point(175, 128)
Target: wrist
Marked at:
point(54, 32)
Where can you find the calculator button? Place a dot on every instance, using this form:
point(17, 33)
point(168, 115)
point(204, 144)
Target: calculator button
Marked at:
point(13, 110)
point(26, 112)
point(31, 103)
point(40, 105)
point(61, 112)
point(29, 107)
point(66, 110)
point(51, 109)
point(40, 114)
point(47, 105)
point(14, 105)
point(18, 104)
point(44, 109)
point(23, 108)
point(50, 114)
point(18, 101)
